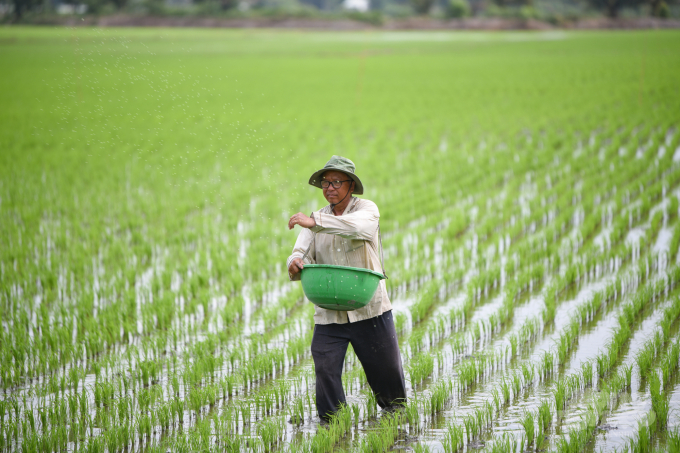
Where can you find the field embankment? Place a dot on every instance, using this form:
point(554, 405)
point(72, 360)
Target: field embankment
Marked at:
point(414, 23)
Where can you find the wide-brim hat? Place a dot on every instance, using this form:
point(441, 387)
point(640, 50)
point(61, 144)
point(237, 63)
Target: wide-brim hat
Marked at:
point(338, 163)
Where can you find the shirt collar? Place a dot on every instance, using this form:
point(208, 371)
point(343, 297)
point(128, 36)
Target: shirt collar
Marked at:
point(350, 206)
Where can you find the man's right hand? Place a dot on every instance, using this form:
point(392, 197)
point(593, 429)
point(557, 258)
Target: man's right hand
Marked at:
point(295, 266)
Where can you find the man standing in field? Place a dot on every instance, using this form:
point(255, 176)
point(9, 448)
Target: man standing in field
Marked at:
point(346, 233)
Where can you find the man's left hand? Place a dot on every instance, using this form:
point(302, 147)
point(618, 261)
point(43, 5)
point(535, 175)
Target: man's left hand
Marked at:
point(302, 220)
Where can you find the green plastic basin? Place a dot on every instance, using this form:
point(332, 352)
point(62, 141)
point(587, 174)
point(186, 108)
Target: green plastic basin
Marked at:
point(339, 288)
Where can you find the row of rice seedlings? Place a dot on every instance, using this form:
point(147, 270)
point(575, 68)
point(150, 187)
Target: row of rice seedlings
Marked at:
point(669, 362)
point(426, 299)
point(675, 243)
point(652, 349)
point(568, 338)
point(566, 387)
point(656, 420)
point(442, 391)
point(483, 416)
point(588, 229)
point(145, 375)
point(649, 293)
point(468, 371)
point(327, 436)
point(417, 368)
point(94, 337)
point(96, 388)
point(572, 383)
point(436, 330)
point(266, 408)
point(624, 223)
point(579, 436)
point(422, 365)
point(660, 401)
point(261, 404)
point(545, 365)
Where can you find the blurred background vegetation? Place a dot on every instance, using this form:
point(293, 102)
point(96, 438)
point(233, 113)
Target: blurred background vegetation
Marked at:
point(374, 12)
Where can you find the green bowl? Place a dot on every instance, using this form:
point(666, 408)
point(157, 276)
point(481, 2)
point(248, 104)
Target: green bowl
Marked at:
point(339, 288)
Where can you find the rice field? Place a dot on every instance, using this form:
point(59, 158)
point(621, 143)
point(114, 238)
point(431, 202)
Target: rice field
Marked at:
point(528, 185)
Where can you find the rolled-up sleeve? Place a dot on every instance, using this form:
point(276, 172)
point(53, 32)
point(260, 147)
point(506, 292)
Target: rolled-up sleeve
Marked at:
point(360, 224)
point(304, 239)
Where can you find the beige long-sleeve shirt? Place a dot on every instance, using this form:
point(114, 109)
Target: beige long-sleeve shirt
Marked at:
point(350, 239)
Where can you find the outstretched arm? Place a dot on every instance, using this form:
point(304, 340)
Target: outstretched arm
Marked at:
point(302, 220)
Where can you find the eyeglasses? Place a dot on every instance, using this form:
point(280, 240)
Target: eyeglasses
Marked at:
point(336, 184)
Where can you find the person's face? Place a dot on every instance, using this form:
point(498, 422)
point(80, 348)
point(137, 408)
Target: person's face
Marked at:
point(333, 195)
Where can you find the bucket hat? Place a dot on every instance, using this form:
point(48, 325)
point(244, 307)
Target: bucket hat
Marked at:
point(338, 163)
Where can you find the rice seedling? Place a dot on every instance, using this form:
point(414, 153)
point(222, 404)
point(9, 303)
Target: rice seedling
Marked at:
point(472, 427)
point(547, 360)
point(516, 384)
point(673, 441)
point(270, 431)
point(370, 404)
point(497, 402)
point(298, 411)
point(420, 368)
point(545, 416)
point(506, 443)
point(660, 401)
point(439, 395)
point(454, 438)
point(575, 441)
point(669, 362)
point(528, 372)
point(587, 373)
point(627, 371)
point(505, 388)
point(642, 440)
point(527, 420)
point(420, 448)
point(645, 358)
point(412, 411)
point(561, 395)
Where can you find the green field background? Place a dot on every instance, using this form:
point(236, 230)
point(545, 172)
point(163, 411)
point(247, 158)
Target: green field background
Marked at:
point(185, 151)
point(177, 130)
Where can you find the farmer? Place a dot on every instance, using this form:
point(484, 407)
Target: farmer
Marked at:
point(346, 233)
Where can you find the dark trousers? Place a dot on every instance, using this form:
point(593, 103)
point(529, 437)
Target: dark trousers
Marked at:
point(375, 344)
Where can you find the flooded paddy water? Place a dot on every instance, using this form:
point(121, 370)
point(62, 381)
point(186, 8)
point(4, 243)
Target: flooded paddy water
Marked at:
point(531, 238)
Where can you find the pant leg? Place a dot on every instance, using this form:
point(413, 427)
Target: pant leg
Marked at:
point(375, 344)
point(329, 346)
